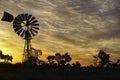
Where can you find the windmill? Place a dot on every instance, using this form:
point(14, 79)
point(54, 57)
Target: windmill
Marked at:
point(26, 26)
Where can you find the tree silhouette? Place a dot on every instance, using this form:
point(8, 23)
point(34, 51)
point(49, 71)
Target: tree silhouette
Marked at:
point(95, 60)
point(33, 61)
point(67, 57)
point(51, 59)
point(115, 64)
point(118, 61)
point(62, 59)
point(58, 58)
point(104, 59)
point(6, 58)
point(34, 67)
point(76, 64)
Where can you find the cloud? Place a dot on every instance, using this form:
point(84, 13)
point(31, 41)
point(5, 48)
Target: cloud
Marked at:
point(84, 6)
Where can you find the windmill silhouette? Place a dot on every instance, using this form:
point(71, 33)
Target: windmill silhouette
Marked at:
point(26, 26)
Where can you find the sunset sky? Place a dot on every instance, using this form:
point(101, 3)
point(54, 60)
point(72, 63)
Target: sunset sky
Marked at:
point(79, 27)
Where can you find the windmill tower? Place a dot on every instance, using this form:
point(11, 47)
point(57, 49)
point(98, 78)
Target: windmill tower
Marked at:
point(26, 26)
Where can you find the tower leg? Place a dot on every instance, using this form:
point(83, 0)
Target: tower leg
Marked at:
point(27, 50)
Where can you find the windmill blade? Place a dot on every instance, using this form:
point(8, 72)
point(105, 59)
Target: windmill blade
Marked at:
point(34, 31)
point(29, 17)
point(35, 24)
point(27, 35)
point(34, 21)
point(16, 22)
point(16, 26)
point(18, 32)
point(35, 28)
point(33, 34)
point(17, 29)
point(23, 16)
point(26, 16)
point(22, 33)
point(18, 18)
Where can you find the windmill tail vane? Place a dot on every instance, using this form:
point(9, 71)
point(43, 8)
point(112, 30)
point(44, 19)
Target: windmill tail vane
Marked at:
point(7, 17)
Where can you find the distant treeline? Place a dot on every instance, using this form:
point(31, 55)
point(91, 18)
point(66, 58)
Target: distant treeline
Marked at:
point(58, 67)
point(102, 59)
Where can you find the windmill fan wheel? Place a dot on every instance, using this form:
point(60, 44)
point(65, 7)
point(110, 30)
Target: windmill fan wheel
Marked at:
point(25, 25)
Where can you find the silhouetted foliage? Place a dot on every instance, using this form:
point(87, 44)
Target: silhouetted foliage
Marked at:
point(118, 61)
point(32, 61)
point(96, 60)
point(58, 68)
point(6, 58)
point(104, 58)
point(76, 64)
point(67, 57)
point(60, 59)
point(115, 64)
point(51, 59)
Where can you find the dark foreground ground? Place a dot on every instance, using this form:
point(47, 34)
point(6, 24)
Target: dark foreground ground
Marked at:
point(20, 72)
